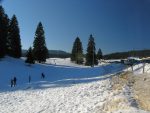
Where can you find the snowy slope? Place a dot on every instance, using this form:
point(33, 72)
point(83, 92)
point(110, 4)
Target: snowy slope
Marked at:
point(55, 74)
point(84, 98)
point(62, 62)
point(66, 88)
point(66, 62)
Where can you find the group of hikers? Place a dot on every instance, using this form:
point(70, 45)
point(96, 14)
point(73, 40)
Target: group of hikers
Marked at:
point(13, 82)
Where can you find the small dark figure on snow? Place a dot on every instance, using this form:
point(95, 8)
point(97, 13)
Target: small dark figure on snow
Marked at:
point(15, 81)
point(42, 76)
point(29, 78)
point(11, 82)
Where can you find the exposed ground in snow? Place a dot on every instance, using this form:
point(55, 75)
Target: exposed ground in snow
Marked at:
point(141, 88)
point(67, 88)
point(121, 99)
point(135, 88)
point(141, 85)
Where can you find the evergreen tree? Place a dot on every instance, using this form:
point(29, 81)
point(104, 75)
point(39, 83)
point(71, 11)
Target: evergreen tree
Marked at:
point(7, 23)
point(4, 21)
point(77, 51)
point(30, 58)
point(39, 45)
point(99, 54)
point(14, 41)
point(73, 57)
point(91, 59)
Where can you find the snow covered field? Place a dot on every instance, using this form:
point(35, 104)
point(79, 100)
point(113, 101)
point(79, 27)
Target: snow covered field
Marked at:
point(66, 88)
point(55, 74)
point(84, 98)
point(66, 62)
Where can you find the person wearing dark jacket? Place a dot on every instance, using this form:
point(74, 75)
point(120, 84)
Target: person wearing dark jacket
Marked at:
point(42, 76)
point(15, 81)
point(11, 82)
point(29, 78)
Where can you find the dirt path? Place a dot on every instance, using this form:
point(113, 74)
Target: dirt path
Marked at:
point(121, 97)
point(141, 89)
point(129, 92)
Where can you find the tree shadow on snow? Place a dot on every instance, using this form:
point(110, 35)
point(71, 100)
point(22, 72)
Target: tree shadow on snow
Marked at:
point(67, 77)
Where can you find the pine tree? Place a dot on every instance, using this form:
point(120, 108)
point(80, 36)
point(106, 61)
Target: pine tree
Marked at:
point(77, 51)
point(39, 45)
point(4, 21)
point(99, 54)
point(91, 59)
point(14, 41)
point(73, 57)
point(30, 57)
point(7, 23)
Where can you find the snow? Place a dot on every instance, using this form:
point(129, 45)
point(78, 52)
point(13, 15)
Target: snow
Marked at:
point(133, 58)
point(62, 62)
point(57, 74)
point(77, 98)
point(67, 62)
point(138, 69)
point(67, 88)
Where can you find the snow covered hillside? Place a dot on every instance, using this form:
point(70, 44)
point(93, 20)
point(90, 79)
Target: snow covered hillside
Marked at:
point(65, 88)
point(55, 74)
point(84, 98)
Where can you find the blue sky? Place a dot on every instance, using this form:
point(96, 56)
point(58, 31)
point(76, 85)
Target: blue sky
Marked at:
point(117, 25)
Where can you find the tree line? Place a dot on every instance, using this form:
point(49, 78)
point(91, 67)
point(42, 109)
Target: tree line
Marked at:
point(10, 44)
point(91, 57)
point(10, 41)
point(124, 55)
point(52, 54)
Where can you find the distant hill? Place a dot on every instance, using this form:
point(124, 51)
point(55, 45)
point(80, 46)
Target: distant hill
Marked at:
point(53, 54)
point(58, 54)
point(123, 55)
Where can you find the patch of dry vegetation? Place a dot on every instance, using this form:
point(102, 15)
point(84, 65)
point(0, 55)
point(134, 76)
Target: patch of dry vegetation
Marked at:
point(141, 89)
point(140, 92)
point(117, 102)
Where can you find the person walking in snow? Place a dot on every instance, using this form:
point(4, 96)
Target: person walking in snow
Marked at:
point(15, 81)
point(29, 78)
point(11, 82)
point(42, 76)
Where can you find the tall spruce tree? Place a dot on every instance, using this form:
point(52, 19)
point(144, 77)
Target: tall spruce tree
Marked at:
point(4, 22)
point(77, 51)
point(30, 57)
point(99, 54)
point(7, 33)
point(39, 45)
point(14, 41)
point(91, 58)
point(73, 57)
